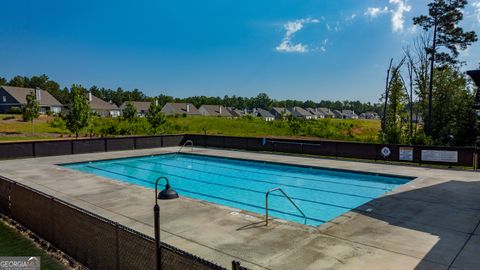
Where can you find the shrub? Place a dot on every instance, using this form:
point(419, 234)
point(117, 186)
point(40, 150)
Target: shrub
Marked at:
point(15, 110)
point(58, 122)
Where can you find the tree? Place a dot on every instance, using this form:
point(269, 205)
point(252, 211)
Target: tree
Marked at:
point(452, 108)
point(19, 81)
point(31, 110)
point(443, 19)
point(263, 101)
point(78, 110)
point(129, 113)
point(395, 115)
point(155, 117)
point(3, 81)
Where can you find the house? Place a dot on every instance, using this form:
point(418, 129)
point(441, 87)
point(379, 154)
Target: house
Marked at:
point(264, 114)
point(301, 113)
point(316, 112)
point(368, 115)
point(214, 110)
point(235, 112)
point(180, 108)
point(280, 112)
point(338, 114)
point(141, 107)
point(101, 107)
point(327, 113)
point(349, 114)
point(15, 97)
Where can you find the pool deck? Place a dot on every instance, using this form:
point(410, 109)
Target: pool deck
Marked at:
point(430, 223)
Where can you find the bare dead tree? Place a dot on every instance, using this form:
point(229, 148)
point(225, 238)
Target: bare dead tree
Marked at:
point(387, 83)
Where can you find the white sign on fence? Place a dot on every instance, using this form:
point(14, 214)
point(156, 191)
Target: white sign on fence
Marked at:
point(440, 156)
point(406, 153)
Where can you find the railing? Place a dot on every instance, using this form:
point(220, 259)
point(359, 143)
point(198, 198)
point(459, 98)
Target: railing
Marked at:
point(286, 196)
point(187, 142)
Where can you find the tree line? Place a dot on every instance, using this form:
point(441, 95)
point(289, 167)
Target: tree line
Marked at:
point(120, 95)
point(427, 98)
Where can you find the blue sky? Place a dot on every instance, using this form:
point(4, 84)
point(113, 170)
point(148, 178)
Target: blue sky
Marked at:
point(309, 49)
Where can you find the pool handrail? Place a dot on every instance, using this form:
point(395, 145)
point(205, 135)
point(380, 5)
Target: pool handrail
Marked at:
point(186, 142)
point(288, 197)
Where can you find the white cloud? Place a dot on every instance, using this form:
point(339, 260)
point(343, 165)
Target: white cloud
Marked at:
point(476, 6)
point(374, 12)
point(398, 20)
point(323, 46)
point(351, 17)
point(291, 28)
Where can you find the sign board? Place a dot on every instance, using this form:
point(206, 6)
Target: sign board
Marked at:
point(440, 156)
point(386, 152)
point(406, 153)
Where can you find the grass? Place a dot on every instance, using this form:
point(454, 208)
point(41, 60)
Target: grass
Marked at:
point(337, 129)
point(352, 130)
point(13, 243)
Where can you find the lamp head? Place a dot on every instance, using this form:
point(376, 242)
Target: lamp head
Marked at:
point(167, 194)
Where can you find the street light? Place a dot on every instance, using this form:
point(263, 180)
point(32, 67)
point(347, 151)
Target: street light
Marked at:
point(166, 194)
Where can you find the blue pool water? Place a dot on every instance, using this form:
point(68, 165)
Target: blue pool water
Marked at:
point(322, 194)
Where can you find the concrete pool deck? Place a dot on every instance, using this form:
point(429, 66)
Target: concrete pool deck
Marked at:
point(431, 222)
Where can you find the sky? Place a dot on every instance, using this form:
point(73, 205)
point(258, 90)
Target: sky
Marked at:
point(289, 49)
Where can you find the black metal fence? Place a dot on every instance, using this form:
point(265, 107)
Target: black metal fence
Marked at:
point(94, 241)
point(466, 155)
point(81, 146)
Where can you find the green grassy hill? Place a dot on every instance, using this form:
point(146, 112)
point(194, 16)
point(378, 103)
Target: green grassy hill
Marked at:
point(337, 129)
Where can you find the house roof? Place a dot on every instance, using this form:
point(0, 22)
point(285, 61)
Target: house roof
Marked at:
point(348, 112)
point(20, 94)
point(325, 111)
point(264, 113)
point(100, 104)
point(280, 110)
point(138, 105)
point(216, 110)
point(300, 111)
point(236, 112)
point(181, 108)
point(315, 111)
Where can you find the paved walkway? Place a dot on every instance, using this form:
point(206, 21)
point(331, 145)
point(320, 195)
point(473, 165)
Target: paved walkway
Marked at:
point(430, 223)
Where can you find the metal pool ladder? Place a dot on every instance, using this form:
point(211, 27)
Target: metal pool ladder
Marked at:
point(187, 142)
point(286, 196)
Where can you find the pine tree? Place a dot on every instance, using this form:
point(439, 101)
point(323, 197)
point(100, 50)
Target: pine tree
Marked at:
point(78, 110)
point(31, 110)
point(129, 113)
point(155, 117)
point(443, 19)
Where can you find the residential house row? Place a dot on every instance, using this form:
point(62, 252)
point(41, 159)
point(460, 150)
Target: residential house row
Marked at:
point(12, 98)
point(15, 97)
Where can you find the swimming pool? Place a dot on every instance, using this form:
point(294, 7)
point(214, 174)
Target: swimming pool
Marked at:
point(322, 194)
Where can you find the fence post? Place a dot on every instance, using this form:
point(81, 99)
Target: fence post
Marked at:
point(135, 142)
point(105, 143)
point(235, 265)
point(117, 247)
point(71, 147)
point(336, 150)
point(52, 221)
point(475, 161)
point(302, 148)
point(34, 150)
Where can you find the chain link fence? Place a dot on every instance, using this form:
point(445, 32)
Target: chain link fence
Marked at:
point(94, 241)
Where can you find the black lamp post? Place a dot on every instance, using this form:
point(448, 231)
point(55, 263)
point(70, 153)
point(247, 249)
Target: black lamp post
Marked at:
point(166, 194)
